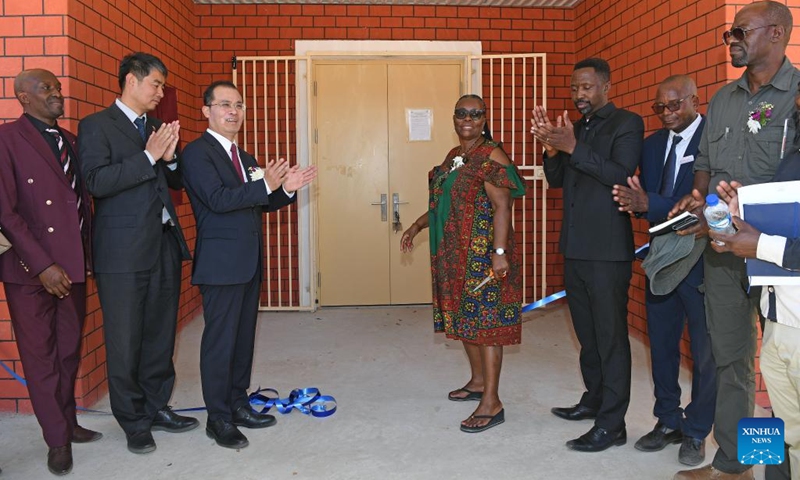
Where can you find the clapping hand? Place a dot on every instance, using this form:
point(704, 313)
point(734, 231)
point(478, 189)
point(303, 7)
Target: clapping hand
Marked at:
point(275, 173)
point(297, 178)
point(163, 142)
point(727, 193)
point(555, 138)
point(633, 198)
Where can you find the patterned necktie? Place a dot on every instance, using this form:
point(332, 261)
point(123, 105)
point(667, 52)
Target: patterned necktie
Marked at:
point(139, 122)
point(236, 164)
point(69, 170)
point(668, 175)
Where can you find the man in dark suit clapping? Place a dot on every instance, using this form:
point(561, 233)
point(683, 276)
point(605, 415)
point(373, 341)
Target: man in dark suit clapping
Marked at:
point(666, 175)
point(130, 163)
point(45, 212)
point(586, 159)
point(229, 192)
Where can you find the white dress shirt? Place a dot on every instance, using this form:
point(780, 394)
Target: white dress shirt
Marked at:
point(787, 297)
point(680, 149)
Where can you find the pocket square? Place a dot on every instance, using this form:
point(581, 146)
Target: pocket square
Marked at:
point(4, 243)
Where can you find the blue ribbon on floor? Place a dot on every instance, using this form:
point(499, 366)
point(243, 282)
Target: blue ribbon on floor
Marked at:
point(544, 301)
point(563, 293)
point(308, 401)
point(305, 400)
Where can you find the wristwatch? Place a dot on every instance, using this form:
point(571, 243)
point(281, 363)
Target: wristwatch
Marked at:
point(499, 251)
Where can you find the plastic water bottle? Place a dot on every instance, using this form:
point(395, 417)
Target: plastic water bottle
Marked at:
point(718, 216)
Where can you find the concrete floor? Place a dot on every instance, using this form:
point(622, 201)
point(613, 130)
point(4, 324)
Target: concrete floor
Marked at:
point(390, 375)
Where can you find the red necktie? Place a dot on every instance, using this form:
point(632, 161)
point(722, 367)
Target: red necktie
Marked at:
point(236, 164)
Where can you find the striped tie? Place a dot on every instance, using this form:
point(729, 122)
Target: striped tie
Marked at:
point(66, 165)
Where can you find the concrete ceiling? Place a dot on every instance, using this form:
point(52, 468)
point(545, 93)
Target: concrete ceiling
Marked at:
point(478, 3)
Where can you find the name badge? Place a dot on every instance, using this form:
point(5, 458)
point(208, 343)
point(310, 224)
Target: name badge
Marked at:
point(687, 159)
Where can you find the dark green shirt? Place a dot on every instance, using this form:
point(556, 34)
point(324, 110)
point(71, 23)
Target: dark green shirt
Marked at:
point(728, 150)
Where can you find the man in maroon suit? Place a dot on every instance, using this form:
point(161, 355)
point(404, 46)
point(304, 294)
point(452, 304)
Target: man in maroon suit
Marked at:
point(45, 213)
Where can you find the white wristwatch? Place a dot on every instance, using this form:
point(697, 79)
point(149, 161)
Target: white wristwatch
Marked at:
point(499, 251)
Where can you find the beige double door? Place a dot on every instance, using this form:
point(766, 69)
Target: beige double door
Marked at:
point(371, 173)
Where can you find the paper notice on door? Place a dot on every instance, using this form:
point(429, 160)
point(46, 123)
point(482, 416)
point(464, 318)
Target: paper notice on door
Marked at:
point(419, 122)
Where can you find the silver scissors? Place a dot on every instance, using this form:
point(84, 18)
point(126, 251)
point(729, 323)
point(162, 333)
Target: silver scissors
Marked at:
point(484, 281)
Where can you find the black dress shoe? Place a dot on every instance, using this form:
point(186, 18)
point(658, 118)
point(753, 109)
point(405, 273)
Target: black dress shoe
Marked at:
point(84, 435)
point(598, 439)
point(658, 438)
point(169, 421)
point(59, 460)
point(141, 442)
point(575, 412)
point(692, 452)
point(226, 434)
point(246, 417)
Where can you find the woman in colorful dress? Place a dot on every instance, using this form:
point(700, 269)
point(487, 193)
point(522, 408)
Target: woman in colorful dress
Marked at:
point(471, 238)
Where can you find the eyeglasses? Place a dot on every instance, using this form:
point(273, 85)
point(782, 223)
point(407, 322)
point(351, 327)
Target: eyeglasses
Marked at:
point(461, 113)
point(229, 106)
point(672, 106)
point(740, 33)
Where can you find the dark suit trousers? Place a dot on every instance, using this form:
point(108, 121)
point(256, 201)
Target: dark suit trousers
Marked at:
point(140, 312)
point(226, 351)
point(597, 295)
point(665, 320)
point(48, 333)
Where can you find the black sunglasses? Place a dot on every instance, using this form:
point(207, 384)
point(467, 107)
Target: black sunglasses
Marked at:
point(740, 33)
point(461, 113)
point(672, 106)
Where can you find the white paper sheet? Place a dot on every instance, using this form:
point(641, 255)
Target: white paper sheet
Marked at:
point(420, 122)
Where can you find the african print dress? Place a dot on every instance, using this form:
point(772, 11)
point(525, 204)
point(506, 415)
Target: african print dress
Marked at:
point(460, 218)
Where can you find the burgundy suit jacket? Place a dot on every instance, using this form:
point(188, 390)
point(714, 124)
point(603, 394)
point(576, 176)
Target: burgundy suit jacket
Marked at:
point(38, 208)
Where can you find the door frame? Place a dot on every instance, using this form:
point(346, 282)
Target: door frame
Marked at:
point(333, 50)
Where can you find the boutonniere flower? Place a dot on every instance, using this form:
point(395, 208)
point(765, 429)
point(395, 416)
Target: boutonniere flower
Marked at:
point(759, 117)
point(255, 173)
point(458, 162)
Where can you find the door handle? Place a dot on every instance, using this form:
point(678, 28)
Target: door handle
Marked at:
point(383, 205)
point(396, 203)
point(396, 211)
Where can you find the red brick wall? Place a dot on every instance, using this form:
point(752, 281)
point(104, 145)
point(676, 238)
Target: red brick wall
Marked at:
point(82, 41)
point(645, 41)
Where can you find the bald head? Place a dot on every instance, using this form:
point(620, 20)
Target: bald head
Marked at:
point(773, 13)
point(39, 93)
point(26, 80)
point(684, 83)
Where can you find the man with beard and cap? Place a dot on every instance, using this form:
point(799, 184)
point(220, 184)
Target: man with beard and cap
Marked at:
point(742, 140)
point(45, 213)
point(666, 175)
point(587, 159)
